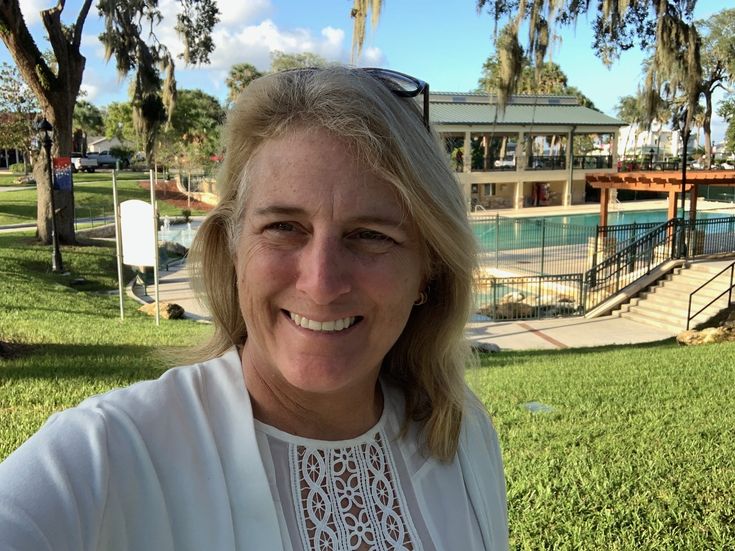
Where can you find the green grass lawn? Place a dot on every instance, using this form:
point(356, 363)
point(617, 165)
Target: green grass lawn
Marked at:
point(637, 452)
point(73, 343)
point(9, 180)
point(92, 197)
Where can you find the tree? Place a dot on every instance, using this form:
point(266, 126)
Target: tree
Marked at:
point(618, 26)
point(57, 87)
point(726, 110)
point(239, 77)
point(281, 61)
point(718, 66)
point(629, 111)
point(551, 80)
point(18, 109)
point(88, 120)
point(152, 98)
point(194, 133)
point(119, 123)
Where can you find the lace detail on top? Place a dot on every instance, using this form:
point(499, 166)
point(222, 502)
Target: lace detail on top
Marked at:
point(348, 498)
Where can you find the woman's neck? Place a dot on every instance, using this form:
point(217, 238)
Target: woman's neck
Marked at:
point(338, 415)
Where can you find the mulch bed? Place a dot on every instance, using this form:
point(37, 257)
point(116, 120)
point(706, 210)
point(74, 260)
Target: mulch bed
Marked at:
point(166, 191)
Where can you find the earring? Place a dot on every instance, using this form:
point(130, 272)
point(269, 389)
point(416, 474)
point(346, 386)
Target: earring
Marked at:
point(423, 299)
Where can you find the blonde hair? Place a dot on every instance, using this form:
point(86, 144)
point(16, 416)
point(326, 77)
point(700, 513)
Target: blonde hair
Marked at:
point(387, 134)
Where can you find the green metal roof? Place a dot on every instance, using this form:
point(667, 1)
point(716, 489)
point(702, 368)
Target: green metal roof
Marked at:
point(546, 113)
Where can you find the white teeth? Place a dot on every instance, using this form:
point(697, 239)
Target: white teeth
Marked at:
point(326, 326)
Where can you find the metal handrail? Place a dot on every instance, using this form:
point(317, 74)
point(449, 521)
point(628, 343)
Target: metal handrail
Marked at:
point(631, 248)
point(731, 267)
point(611, 270)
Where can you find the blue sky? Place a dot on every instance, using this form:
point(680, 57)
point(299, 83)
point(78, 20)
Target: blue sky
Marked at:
point(444, 42)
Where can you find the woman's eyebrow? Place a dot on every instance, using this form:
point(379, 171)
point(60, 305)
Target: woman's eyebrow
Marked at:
point(279, 209)
point(362, 219)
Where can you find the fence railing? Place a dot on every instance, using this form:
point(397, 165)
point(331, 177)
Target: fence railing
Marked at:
point(604, 260)
point(592, 162)
point(530, 297)
point(532, 245)
point(546, 162)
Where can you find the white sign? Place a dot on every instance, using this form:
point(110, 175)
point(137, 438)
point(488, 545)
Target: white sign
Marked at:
point(138, 233)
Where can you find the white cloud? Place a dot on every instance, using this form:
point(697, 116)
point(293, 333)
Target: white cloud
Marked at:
point(254, 43)
point(373, 57)
point(239, 12)
point(31, 10)
point(91, 91)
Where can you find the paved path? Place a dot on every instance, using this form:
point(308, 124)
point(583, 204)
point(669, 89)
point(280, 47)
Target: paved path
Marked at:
point(549, 334)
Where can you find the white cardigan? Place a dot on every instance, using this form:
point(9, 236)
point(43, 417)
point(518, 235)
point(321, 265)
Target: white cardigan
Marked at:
point(173, 464)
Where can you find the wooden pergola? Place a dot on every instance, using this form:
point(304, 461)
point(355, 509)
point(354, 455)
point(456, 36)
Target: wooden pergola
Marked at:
point(668, 182)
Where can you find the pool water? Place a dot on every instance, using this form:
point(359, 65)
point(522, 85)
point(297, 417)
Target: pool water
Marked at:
point(630, 217)
point(548, 231)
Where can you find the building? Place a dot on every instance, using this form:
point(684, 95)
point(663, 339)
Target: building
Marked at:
point(657, 143)
point(536, 152)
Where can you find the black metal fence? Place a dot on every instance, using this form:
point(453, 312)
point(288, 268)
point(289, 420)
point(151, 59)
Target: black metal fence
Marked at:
point(546, 162)
point(592, 162)
point(548, 247)
point(530, 297)
point(579, 268)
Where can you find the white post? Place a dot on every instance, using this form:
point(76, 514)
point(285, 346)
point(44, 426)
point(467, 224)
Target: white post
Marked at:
point(188, 191)
point(155, 247)
point(118, 243)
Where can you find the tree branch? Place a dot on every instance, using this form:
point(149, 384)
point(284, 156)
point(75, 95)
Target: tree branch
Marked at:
point(81, 18)
point(22, 47)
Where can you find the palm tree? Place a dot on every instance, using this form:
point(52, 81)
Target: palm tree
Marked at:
point(239, 77)
point(628, 110)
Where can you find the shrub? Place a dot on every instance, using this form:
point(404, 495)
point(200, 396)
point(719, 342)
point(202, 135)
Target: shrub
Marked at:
point(186, 213)
point(20, 168)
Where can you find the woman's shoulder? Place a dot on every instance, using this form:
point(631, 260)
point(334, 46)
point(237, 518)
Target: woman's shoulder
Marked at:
point(178, 385)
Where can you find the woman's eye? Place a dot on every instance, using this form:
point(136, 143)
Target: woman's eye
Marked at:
point(371, 235)
point(281, 227)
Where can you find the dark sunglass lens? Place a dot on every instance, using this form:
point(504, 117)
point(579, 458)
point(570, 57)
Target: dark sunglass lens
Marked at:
point(398, 82)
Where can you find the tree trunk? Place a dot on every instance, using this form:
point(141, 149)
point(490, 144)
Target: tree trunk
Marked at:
point(56, 91)
point(707, 127)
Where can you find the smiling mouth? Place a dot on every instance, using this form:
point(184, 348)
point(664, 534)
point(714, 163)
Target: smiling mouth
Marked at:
point(324, 326)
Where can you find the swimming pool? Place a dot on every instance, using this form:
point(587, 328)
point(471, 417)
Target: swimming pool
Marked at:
point(503, 234)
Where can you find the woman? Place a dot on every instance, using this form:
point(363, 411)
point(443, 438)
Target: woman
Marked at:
point(330, 410)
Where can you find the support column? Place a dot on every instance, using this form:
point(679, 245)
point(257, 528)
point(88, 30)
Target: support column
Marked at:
point(671, 210)
point(604, 198)
point(569, 183)
point(467, 152)
point(693, 195)
point(518, 195)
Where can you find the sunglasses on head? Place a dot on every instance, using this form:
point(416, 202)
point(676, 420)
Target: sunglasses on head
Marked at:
point(401, 84)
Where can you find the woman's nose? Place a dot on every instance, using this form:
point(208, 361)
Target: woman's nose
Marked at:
point(324, 271)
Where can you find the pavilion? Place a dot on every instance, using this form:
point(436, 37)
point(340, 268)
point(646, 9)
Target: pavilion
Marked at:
point(658, 181)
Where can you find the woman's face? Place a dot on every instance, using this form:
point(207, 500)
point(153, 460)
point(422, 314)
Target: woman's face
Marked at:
point(328, 266)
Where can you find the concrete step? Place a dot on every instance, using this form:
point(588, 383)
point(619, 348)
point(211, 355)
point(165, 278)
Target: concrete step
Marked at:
point(675, 307)
point(700, 277)
point(676, 311)
point(641, 317)
point(677, 292)
point(687, 287)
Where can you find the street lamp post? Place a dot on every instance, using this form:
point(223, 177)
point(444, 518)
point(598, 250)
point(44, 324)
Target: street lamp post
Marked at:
point(57, 264)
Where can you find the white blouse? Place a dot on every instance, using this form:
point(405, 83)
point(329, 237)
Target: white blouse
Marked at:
point(376, 491)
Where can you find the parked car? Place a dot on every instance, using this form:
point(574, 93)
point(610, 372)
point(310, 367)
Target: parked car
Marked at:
point(80, 163)
point(106, 160)
point(728, 165)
